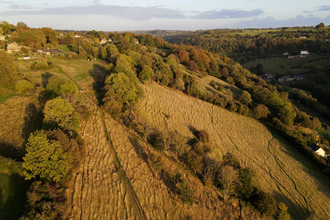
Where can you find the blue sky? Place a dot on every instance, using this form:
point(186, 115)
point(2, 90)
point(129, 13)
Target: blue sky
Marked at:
point(108, 15)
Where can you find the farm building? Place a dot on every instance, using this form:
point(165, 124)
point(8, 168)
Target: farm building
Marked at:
point(13, 47)
point(286, 79)
point(318, 150)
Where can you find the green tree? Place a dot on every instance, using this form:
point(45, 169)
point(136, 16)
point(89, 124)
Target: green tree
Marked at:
point(123, 87)
point(146, 73)
point(260, 112)
point(59, 112)
point(282, 212)
point(44, 159)
point(265, 203)
point(58, 86)
point(8, 71)
point(320, 25)
point(246, 177)
point(245, 97)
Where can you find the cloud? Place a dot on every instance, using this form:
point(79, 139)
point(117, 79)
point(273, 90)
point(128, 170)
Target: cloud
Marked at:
point(126, 12)
point(19, 6)
point(228, 13)
point(291, 22)
point(324, 8)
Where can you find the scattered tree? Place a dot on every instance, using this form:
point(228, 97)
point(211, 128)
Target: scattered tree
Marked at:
point(45, 159)
point(228, 178)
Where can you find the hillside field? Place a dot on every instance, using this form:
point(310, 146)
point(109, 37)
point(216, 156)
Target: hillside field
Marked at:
point(117, 179)
point(282, 170)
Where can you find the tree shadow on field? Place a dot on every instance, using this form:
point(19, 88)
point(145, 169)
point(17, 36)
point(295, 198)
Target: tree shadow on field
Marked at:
point(98, 73)
point(45, 77)
point(13, 190)
point(32, 120)
point(193, 130)
point(295, 210)
point(141, 152)
point(8, 150)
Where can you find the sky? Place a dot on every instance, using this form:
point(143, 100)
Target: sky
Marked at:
point(129, 15)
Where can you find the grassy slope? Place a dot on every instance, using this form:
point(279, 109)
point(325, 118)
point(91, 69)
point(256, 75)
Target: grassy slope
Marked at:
point(281, 169)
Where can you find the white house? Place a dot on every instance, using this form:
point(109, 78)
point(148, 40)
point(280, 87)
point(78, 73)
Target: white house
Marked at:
point(318, 150)
point(303, 52)
point(103, 41)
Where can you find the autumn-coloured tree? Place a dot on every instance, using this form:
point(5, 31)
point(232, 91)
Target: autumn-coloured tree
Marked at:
point(183, 57)
point(193, 66)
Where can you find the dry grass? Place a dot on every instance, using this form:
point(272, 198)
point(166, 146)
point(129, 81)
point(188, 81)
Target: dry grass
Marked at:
point(18, 117)
point(281, 169)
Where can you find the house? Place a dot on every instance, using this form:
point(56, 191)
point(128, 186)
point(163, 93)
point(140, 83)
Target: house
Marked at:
point(103, 41)
point(303, 52)
point(316, 149)
point(76, 36)
point(13, 47)
point(26, 58)
point(286, 79)
point(302, 37)
point(285, 53)
point(2, 37)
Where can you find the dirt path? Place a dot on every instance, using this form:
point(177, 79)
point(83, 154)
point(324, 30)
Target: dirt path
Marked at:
point(281, 169)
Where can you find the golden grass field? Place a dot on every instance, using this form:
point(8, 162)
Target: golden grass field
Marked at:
point(282, 170)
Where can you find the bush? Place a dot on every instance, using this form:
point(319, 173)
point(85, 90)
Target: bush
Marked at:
point(157, 141)
point(42, 65)
point(185, 193)
point(203, 136)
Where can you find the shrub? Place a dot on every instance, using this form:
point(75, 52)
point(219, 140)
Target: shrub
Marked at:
point(203, 136)
point(185, 192)
point(42, 65)
point(157, 141)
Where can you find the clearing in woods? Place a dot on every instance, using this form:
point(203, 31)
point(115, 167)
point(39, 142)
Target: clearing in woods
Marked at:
point(282, 170)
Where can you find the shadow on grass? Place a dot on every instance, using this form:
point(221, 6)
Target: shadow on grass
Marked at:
point(8, 150)
point(141, 152)
point(45, 77)
point(99, 74)
point(13, 190)
point(295, 210)
point(32, 120)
